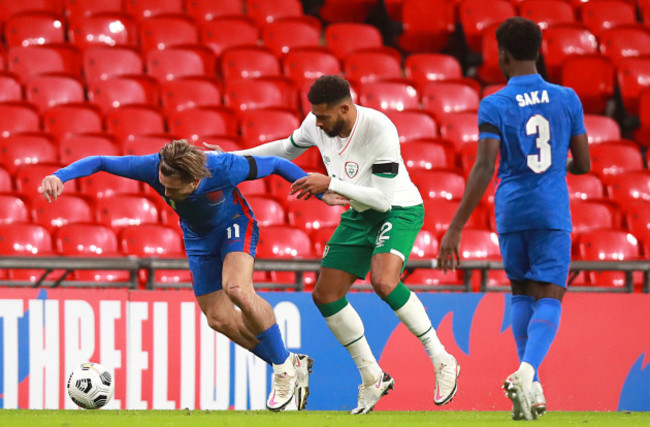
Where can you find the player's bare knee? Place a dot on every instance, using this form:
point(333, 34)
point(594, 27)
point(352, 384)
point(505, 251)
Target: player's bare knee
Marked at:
point(219, 323)
point(323, 295)
point(382, 285)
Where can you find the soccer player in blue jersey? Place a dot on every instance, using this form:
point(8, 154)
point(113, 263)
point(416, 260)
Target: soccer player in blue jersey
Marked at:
point(220, 235)
point(533, 125)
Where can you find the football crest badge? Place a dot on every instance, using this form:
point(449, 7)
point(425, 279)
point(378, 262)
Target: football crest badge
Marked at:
point(351, 169)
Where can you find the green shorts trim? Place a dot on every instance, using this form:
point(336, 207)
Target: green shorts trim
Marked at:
point(360, 235)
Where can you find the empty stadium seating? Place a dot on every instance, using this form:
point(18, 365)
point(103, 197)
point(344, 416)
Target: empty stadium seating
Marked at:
point(68, 209)
point(389, 95)
point(224, 32)
point(413, 125)
point(547, 12)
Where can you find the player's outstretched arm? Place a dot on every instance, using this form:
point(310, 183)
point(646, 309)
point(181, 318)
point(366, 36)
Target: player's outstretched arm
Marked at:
point(51, 187)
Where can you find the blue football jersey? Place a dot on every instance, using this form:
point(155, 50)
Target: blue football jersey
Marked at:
point(534, 120)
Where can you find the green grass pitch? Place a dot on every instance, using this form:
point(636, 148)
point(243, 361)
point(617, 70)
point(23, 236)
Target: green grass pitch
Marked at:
point(53, 418)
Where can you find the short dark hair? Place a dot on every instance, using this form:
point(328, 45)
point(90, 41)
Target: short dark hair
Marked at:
point(520, 37)
point(329, 89)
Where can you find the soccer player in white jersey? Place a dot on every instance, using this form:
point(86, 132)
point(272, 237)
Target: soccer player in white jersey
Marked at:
point(361, 151)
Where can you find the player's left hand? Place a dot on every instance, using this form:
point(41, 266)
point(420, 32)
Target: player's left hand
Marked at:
point(310, 185)
point(213, 147)
point(335, 199)
point(449, 249)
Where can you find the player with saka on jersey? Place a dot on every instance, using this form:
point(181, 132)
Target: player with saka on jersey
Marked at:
point(361, 151)
point(533, 125)
point(220, 235)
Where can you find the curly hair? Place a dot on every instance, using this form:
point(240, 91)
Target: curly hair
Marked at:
point(182, 159)
point(329, 89)
point(520, 37)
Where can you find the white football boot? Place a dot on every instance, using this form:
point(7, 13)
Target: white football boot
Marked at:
point(303, 365)
point(369, 395)
point(447, 372)
point(539, 401)
point(521, 396)
point(282, 388)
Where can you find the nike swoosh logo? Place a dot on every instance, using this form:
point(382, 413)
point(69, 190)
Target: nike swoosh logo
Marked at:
point(379, 382)
point(272, 400)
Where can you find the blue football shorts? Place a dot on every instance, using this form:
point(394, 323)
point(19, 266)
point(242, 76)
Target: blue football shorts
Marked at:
point(207, 253)
point(540, 255)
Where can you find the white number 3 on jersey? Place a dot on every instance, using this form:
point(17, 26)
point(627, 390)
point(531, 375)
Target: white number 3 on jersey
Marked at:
point(538, 125)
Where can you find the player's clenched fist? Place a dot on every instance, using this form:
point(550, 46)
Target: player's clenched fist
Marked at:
point(51, 187)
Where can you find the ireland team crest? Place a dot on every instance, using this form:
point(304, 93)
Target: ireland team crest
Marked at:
point(351, 169)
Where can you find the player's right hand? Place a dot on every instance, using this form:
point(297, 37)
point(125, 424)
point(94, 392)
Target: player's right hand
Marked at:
point(449, 250)
point(213, 147)
point(51, 187)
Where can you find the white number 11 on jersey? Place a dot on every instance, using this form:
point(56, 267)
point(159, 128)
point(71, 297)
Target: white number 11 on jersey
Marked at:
point(537, 124)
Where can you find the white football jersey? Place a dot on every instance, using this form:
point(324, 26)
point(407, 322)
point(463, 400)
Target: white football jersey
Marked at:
point(373, 140)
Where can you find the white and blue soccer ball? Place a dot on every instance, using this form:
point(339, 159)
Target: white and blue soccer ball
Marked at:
point(91, 385)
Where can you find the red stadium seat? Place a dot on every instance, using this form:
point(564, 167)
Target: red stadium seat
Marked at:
point(627, 187)
point(562, 41)
point(29, 177)
point(6, 183)
point(389, 96)
point(228, 31)
point(21, 149)
point(310, 215)
point(211, 10)
point(459, 128)
point(76, 9)
point(320, 237)
point(105, 62)
point(601, 129)
point(285, 35)
point(248, 62)
point(585, 187)
point(65, 119)
point(633, 75)
point(34, 27)
point(142, 9)
point(601, 15)
point(250, 94)
point(642, 133)
point(607, 245)
point(47, 91)
point(547, 12)
point(434, 184)
point(589, 215)
point(426, 246)
point(10, 89)
point(423, 68)
point(263, 11)
point(13, 210)
point(306, 65)
point(259, 126)
point(119, 211)
point(125, 122)
point(363, 67)
point(480, 244)
point(336, 11)
point(25, 240)
point(79, 145)
point(637, 218)
point(427, 25)
point(475, 15)
point(623, 42)
point(193, 122)
point(175, 62)
point(141, 145)
point(29, 61)
point(89, 240)
point(155, 241)
point(11, 8)
point(68, 209)
point(18, 117)
point(443, 98)
point(103, 185)
point(489, 72)
point(256, 187)
point(189, 92)
point(440, 211)
point(106, 28)
point(123, 90)
point(426, 155)
point(346, 37)
point(284, 242)
point(267, 210)
point(413, 125)
point(611, 158)
point(164, 31)
point(592, 77)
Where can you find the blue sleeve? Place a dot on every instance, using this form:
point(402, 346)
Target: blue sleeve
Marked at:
point(577, 114)
point(488, 120)
point(141, 168)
